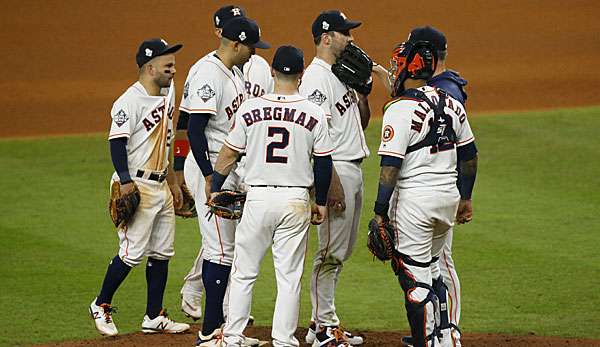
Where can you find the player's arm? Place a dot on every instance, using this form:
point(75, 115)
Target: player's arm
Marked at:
point(174, 183)
point(198, 142)
point(365, 111)
point(182, 145)
point(388, 175)
point(227, 158)
point(384, 76)
point(322, 169)
point(118, 155)
point(467, 159)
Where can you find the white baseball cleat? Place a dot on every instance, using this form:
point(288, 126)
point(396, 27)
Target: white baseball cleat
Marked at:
point(353, 340)
point(250, 342)
point(311, 335)
point(162, 324)
point(102, 316)
point(191, 305)
point(213, 340)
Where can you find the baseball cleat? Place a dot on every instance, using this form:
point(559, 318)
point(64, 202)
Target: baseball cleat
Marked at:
point(407, 341)
point(162, 324)
point(250, 321)
point(213, 340)
point(331, 337)
point(250, 342)
point(102, 316)
point(311, 335)
point(191, 305)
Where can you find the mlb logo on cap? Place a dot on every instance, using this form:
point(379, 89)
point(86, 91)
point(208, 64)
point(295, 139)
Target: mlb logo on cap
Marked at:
point(288, 60)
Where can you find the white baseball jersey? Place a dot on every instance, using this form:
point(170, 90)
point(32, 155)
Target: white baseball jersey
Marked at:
point(340, 104)
point(406, 122)
point(212, 88)
point(147, 122)
point(257, 77)
point(280, 133)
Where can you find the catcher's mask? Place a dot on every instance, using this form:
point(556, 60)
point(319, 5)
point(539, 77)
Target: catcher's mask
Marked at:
point(414, 60)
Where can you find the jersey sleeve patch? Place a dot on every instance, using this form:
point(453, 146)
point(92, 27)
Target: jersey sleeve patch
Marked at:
point(120, 118)
point(186, 90)
point(387, 133)
point(205, 93)
point(317, 97)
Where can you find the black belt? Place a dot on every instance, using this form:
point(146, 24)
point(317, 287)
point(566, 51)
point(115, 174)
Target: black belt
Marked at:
point(357, 161)
point(154, 176)
point(268, 186)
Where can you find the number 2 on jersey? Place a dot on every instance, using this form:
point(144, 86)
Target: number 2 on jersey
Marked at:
point(285, 141)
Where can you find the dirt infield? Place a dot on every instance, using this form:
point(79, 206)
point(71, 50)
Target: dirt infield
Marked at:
point(373, 339)
point(65, 62)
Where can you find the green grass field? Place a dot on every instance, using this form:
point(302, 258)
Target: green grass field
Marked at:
point(529, 261)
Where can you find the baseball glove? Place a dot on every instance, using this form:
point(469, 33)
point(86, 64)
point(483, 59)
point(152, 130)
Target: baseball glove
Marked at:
point(228, 204)
point(353, 68)
point(122, 207)
point(188, 209)
point(381, 239)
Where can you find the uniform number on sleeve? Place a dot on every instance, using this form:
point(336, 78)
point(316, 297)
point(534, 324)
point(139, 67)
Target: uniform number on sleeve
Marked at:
point(282, 144)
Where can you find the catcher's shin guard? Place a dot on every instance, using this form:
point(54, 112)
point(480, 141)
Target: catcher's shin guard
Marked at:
point(419, 299)
point(440, 290)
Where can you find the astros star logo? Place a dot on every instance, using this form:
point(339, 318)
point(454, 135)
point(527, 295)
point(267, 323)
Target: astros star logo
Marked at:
point(236, 11)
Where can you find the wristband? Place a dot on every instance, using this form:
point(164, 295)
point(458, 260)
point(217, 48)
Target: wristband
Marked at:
point(217, 181)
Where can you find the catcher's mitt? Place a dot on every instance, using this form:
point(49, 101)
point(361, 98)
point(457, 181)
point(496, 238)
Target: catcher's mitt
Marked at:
point(381, 239)
point(122, 207)
point(353, 68)
point(188, 209)
point(228, 204)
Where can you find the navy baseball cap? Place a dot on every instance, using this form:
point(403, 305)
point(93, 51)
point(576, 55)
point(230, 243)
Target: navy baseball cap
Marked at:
point(153, 48)
point(431, 34)
point(332, 20)
point(244, 30)
point(225, 13)
point(288, 60)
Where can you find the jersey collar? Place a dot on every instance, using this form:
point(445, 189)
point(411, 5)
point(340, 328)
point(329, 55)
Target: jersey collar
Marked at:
point(282, 98)
point(321, 62)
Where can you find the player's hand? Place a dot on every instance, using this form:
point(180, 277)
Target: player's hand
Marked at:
point(379, 219)
point(177, 195)
point(336, 199)
point(465, 212)
point(126, 188)
point(318, 214)
point(384, 76)
point(207, 184)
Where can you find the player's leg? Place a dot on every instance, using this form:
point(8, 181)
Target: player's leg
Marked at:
point(160, 250)
point(192, 290)
point(440, 290)
point(412, 216)
point(289, 248)
point(337, 236)
point(133, 241)
point(452, 282)
point(253, 238)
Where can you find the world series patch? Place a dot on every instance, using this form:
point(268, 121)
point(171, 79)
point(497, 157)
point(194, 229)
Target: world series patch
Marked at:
point(186, 90)
point(317, 97)
point(120, 118)
point(206, 93)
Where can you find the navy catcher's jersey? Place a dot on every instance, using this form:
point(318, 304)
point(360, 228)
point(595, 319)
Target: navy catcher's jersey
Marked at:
point(452, 83)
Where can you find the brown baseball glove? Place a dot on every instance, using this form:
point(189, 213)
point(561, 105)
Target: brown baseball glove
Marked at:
point(122, 207)
point(188, 208)
point(228, 204)
point(381, 239)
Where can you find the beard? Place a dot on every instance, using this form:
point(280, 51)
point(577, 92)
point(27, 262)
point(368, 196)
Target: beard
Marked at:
point(164, 81)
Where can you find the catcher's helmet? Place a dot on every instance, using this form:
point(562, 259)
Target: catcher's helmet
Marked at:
point(414, 60)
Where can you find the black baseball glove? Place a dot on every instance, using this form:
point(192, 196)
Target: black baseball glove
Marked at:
point(353, 68)
point(228, 204)
point(122, 207)
point(381, 239)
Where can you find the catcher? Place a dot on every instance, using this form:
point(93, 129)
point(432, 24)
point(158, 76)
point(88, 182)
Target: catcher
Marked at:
point(425, 132)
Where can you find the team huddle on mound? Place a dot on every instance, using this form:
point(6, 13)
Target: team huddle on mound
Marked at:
point(263, 151)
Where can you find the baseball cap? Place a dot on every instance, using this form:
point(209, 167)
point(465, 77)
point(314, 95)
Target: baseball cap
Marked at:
point(244, 30)
point(431, 34)
point(288, 60)
point(225, 13)
point(332, 20)
point(153, 48)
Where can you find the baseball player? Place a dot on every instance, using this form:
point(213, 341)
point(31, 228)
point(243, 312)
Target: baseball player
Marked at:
point(214, 92)
point(257, 81)
point(140, 146)
point(425, 133)
point(347, 113)
point(280, 133)
point(447, 288)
